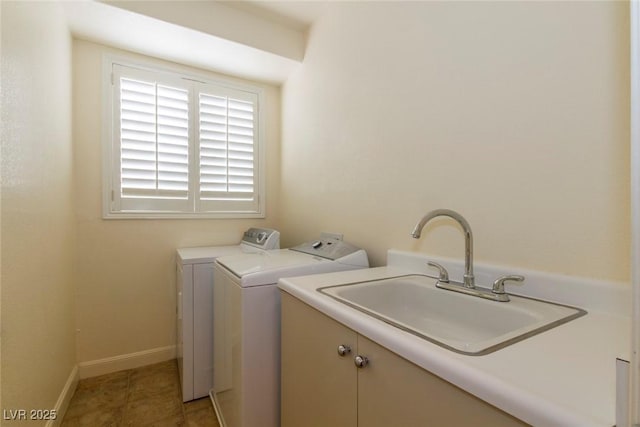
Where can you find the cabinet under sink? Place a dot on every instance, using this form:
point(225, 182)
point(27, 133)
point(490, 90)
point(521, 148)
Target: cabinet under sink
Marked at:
point(323, 385)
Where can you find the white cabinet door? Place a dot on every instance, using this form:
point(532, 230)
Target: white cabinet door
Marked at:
point(318, 385)
point(394, 391)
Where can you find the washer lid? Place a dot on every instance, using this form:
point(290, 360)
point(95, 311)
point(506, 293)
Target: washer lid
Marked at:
point(268, 261)
point(267, 267)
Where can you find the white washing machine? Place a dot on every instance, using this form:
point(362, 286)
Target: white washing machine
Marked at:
point(194, 308)
point(246, 390)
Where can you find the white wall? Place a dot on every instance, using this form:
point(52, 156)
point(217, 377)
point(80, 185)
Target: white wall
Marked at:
point(126, 268)
point(38, 227)
point(514, 114)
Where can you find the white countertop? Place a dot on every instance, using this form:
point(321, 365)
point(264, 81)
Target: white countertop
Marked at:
point(562, 377)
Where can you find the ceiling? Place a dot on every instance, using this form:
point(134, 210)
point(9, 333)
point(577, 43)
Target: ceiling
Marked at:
point(298, 14)
point(257, 40)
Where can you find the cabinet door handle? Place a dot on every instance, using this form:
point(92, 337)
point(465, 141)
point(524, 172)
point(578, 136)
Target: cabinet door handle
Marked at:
point(361, 361)
point(343, 350)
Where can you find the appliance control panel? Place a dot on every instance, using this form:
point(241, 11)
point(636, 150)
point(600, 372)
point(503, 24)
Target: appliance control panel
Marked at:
point(327, 248)
point(263, 238)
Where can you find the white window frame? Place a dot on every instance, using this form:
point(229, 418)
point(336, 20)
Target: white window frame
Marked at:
point(115, 206)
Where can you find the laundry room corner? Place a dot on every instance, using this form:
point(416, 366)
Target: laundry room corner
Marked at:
point(125, 268)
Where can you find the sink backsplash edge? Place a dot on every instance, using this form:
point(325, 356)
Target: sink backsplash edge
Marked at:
point(612, 297)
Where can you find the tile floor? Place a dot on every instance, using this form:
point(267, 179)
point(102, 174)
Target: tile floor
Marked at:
point(147, 396)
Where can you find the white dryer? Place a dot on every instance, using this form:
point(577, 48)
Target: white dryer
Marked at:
point(246, 390)
point(194, 299)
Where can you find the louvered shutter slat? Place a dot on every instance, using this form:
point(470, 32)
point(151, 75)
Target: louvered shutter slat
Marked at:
point(137, 132)
point(241, 137)
point(173, 139)
point(154, 140)
point(226, 148)
point(213, 146)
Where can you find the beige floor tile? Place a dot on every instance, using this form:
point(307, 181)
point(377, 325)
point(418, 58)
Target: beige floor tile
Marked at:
point(163, 367)
point(146, 396)
point(110, 381)
point(166, 422)
point(150, 384)
point(153, 409)
point(103, 417)
point(91, 399)
point(205, 417)
point(196, 405)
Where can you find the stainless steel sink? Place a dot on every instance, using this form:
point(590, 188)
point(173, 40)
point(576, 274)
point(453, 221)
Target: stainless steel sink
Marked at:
point(461, 323)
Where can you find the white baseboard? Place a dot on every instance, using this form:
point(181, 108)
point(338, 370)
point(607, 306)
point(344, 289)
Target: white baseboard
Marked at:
point(108, 365)
point(65, 397)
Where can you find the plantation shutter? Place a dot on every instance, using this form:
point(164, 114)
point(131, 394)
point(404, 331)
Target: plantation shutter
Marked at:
point(227, 147)
point(182, 147)
point(154, 140)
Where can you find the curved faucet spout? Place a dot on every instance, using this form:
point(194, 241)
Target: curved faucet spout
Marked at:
point(468, 281)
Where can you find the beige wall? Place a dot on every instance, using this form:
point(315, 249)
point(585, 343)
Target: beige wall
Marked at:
point(126, 268)
point(514, 114)
point(38, 338)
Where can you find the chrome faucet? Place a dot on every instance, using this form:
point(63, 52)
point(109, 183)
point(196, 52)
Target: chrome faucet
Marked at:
point(497, 293)
point(468, 280)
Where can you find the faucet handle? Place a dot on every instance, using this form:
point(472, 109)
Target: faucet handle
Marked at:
point(443, 275)
point(498, 285)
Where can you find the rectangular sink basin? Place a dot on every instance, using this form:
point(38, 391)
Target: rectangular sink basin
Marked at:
point(461, 323)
